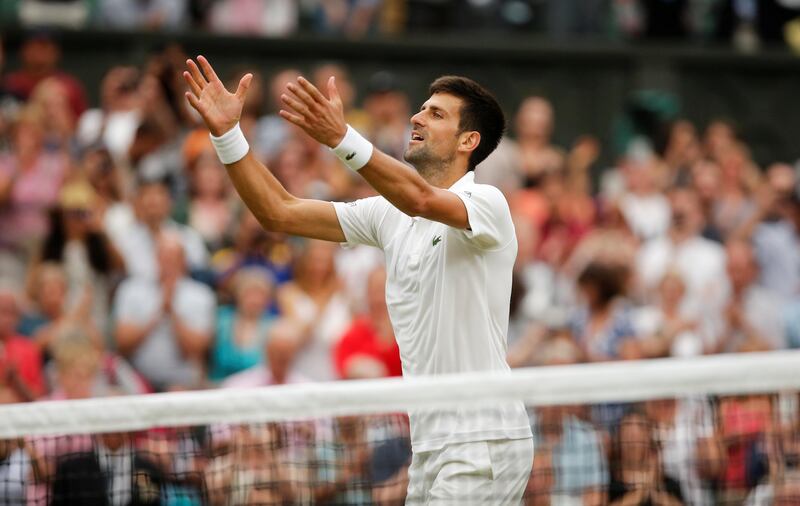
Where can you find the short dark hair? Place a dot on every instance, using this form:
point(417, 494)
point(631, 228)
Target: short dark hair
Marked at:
point(480, 112)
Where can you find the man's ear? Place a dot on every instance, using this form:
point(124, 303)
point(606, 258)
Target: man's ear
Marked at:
point(468, 141)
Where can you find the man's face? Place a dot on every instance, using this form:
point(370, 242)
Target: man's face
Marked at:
point(435, 132)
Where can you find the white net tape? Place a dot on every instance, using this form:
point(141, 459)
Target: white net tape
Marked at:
point(574, 384)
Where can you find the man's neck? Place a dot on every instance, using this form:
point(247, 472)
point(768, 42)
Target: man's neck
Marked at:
point(442, 178)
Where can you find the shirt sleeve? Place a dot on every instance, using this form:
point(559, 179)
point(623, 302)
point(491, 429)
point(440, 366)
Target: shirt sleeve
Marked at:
point(361, 219)
point(490, 225)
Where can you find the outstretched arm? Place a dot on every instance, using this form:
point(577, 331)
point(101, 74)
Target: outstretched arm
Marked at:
point(274, 207)
point(323, 119)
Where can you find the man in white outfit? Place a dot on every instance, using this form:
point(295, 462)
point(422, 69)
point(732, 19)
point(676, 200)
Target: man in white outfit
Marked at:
point(449, 245)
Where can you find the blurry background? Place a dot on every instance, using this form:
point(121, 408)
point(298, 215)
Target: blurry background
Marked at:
point(651, 166)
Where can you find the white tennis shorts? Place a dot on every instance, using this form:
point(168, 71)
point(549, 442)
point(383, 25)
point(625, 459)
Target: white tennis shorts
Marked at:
point(481, 472)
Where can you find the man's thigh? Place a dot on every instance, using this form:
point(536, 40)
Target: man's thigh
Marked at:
point(512, 460)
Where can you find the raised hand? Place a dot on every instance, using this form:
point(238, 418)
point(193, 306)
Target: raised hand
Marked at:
point(219, 108)
point(320, 117)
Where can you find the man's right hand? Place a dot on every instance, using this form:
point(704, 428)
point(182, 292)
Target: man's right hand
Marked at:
point(219, 108)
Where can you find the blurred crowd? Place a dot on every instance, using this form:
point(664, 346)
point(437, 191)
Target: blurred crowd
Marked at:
point(128, 265)
point(746, 23)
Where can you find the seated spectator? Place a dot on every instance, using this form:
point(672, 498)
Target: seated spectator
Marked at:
point(699, 261)
point(753, 316)
point(250, 466)
point(165, 325)
point(575, 448)
point(368, 348)
point(733, 204)
point(82, 370)
point(637, 477)
point(39, 57)
point(664, 328)
point(138, 245)
point(387, 108)
point(30, 180)
point(277, 367)
point(114, 123)
point(112, 472)
point(253, 246)
point(210, 208)
point(316, 299)
point(144, 14)
point(20, 359)
point(242, 330)
point(645, 208)
point(744, 421)
point(52, 313)
point(690, 449)
point(77, 243)
point(272, 132)
point(19, 467)
point(342, 464)
point(603, 325)
point(110, 203)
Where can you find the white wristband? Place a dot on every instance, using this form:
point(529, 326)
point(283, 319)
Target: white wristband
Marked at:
point(354, 150)
point(231, 146)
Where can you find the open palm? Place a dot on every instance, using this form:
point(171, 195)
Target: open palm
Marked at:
point(219, 108)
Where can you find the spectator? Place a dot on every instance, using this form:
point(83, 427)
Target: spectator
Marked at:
point(82, 370)
point(242, 330)
point(315, 298)
point(773, 231)
point(210, 207)
point(51, 100)
point(78, 244)
point(30, 179)
point(144, 14)
point(699, 261)
point(277, 367)
point(574, 446)
point(733, 205)
point(53, 312)
point(138, 245)
point(113, 125)
point(368, 348)
point(250, 466)
point(753, 315)
point(272, 18)
point(112, 472)
point(690, 448)
point(165, 325)
point(110, 203)
point(342, 464)
point(19, 467)
point(39, 56)
point(531, 156)
point(387, 108)
point(645, 208)
point(637, 477)
point(603, 325)
point(665, 329)
point(20, 360)
point(272, 131)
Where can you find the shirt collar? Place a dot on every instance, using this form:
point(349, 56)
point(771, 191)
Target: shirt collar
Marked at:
point(465, 180)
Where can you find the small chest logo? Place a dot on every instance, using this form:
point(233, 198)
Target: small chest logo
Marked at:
point(350, 156)
point(437, 240)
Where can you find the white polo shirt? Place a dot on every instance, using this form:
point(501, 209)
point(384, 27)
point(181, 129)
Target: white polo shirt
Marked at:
point(448, 293)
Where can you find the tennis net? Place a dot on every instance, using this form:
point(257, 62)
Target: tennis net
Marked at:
point(713, 430)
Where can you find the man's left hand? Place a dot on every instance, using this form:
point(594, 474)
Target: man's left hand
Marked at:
point(320, 117)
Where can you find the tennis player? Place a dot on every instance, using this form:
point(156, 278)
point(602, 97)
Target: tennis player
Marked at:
point(449, 245)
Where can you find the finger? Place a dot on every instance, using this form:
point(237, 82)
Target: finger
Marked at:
point(312, 90)
point(333, 92)
point(244, 85)
point(196, 74)
point(192, 84)
point(302, 95)
point(293, 118)
point(193, 101)
point(208, 70)
point(296, 105)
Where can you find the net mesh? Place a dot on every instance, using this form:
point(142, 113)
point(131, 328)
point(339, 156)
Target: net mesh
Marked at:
point(716, 430)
